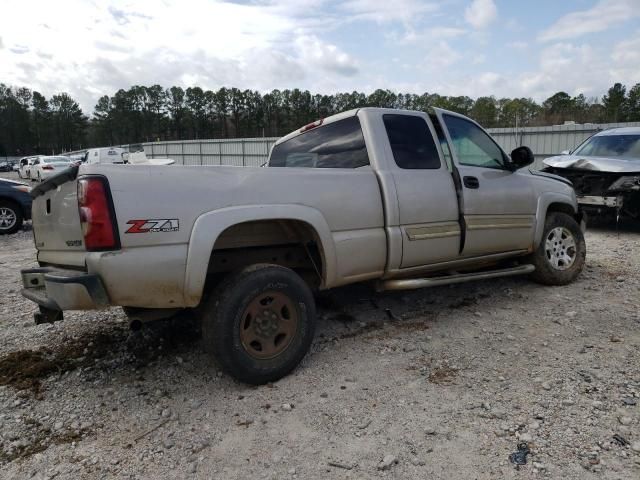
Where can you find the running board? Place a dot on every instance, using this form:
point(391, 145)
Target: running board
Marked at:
point(414, 283)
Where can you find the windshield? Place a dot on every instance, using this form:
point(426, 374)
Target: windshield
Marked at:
point(625, 146)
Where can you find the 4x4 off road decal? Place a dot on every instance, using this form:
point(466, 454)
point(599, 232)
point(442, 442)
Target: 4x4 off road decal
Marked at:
point(153, 225)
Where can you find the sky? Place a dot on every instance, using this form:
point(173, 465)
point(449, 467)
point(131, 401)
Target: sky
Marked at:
point(506, 48)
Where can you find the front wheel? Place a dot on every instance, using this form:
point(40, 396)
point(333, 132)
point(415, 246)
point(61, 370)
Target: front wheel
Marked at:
point(560, 257)
point(10, 218)
point(259, 323)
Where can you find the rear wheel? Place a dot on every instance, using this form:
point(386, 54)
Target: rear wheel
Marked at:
point(560, 257)
point(259, 323)
point(10, 217)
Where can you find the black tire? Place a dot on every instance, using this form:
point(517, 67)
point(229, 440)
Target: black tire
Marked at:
point(227, 322)
point(543, 258)
point(10, 210)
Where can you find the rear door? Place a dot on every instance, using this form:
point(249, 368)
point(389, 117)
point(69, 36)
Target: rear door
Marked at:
point(427, 201)
point(499, 205)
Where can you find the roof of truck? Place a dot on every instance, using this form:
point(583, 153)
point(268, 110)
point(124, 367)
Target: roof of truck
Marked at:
point(339, 116)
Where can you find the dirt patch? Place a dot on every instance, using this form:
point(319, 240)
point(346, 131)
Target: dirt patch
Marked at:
point(42, 440)
point(443, 375)
point(25, 369)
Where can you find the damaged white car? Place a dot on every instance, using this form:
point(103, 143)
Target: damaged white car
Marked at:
point(605, 171)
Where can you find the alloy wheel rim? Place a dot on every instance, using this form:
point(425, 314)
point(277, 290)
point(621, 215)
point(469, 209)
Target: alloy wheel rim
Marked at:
point(268, 325)
point(7, 218)
point(560, 248)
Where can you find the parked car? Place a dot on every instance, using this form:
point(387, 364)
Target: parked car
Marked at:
point(5, 166)
point(16, 167)
point(399, 199)
point(15, 205)
point(605, 171)
point(135, 156)
point(46, 166)
point(24, 170)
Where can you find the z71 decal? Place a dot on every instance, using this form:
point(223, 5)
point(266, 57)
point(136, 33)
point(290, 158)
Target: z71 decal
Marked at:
point(153, 225)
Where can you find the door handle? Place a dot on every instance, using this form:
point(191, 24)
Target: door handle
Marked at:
point(471, 182)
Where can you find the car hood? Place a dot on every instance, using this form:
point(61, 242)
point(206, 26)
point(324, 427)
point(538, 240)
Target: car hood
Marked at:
point(12, 182)
point(597, 164)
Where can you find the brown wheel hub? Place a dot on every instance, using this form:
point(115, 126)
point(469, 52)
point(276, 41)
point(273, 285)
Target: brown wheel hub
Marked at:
point(268, 325)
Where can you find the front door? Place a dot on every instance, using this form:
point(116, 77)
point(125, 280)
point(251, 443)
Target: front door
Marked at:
point(499, 205)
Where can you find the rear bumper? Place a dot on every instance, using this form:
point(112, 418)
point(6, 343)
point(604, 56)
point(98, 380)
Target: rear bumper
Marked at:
point(58, 289)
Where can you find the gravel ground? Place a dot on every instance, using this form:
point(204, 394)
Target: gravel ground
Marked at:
point(440, 383)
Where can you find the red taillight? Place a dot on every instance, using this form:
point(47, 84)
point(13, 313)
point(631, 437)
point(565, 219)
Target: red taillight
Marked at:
point(96, 214)
point(47, 167)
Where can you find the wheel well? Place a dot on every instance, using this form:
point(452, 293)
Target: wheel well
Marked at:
point(12, 202)
point(562, 208)
point(289, 243)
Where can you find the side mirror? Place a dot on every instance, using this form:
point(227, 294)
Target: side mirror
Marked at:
point(565, 152)
point(521, 157)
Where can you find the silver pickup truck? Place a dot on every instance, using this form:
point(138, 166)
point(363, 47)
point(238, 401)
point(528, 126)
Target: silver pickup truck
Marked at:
point(400, 199)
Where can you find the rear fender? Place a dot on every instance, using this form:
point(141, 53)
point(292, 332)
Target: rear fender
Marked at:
point(208, 227)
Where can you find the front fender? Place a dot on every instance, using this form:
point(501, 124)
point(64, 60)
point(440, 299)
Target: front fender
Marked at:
point(544, 201)
point(208, 227)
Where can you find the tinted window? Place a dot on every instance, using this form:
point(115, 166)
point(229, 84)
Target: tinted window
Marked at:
point(337, 145)
point(473, 145)
point(411, 142)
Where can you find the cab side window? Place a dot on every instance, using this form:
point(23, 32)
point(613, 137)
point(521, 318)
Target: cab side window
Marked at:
point(411, 142)
point(473, 146)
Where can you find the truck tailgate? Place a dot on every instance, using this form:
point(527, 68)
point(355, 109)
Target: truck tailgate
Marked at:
point(56, 221)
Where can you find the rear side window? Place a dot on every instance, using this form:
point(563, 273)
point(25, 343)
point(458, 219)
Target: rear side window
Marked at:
point(337, 145)
point(411, 142)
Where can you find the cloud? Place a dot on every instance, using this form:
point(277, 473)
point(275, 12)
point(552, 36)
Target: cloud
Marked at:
point(122, 17)
point(628, 51)
point(19, 49)
point(426, 34)
point(384, 11)
point(481, 13)
point(602, 16)
point(110, 46)
point(314, 53)
point(441, 55)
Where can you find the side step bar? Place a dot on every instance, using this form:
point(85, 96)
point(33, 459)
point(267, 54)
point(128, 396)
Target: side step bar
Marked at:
point(414, 283)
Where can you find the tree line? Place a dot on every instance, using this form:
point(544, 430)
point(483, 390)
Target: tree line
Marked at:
point(31, 123)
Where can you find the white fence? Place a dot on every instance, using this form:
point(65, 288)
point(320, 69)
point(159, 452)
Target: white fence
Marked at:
point(244, 152)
